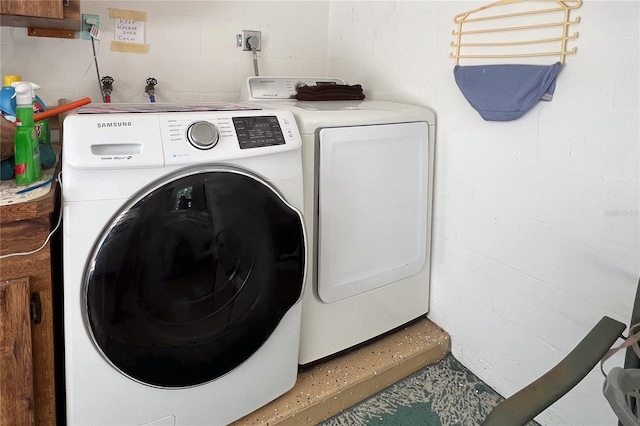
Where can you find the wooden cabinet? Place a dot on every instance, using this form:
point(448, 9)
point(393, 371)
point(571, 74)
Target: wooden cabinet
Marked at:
point(16, 365)
point(51, 14)
point(26, 293)
point(42, 9)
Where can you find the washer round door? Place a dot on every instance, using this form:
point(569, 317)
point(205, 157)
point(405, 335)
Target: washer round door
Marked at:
point(193, 275)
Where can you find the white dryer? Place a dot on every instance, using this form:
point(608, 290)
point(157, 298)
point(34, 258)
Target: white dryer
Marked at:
point(184, 262)
point(368, 171)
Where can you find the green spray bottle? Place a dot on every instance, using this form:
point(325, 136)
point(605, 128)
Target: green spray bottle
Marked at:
point(42, 126)
point(28, 168)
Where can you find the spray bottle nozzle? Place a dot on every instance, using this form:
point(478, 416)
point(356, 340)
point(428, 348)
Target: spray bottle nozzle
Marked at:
point(24, 92)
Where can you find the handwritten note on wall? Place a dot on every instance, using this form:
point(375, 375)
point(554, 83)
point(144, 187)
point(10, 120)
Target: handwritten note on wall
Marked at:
point(129, 31)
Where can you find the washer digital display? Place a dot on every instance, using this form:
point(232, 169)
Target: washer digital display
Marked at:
point(254, 132)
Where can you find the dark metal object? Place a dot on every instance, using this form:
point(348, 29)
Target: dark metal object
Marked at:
point(35, 306)
point(527, 403)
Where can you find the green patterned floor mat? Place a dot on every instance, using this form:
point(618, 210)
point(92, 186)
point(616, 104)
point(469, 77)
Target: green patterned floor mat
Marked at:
point(442, 394)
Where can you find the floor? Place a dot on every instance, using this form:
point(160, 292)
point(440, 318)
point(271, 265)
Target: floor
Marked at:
point(327, 388)
point(441, 394)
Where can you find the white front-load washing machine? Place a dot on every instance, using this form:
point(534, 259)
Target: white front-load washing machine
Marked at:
point(184, 262)
point(368, 184)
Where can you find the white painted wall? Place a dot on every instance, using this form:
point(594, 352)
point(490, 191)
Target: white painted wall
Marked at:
point(536, 232)
point(193, 54)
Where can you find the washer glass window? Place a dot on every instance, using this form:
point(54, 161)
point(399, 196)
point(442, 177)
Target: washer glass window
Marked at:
point(193, 276)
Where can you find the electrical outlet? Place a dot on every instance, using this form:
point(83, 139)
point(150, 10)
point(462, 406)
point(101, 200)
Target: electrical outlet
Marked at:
point(87, 22)
point(242, 40)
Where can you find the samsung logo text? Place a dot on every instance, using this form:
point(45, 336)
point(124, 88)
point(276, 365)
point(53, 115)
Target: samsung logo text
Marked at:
point(114, 124)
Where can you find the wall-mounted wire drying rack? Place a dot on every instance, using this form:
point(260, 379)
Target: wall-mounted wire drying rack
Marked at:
point(510, 29)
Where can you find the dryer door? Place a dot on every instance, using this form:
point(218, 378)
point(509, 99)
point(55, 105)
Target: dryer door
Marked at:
point(193, 275)
point(372, 207)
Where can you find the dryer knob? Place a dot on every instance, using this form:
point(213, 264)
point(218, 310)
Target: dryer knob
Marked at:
point(202, 135)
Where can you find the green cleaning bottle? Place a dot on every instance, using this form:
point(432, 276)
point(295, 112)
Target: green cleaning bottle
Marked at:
point(27, 151)
point(43, 133)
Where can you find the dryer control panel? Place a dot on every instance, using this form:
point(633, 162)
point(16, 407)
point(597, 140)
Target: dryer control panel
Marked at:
point(279, 88)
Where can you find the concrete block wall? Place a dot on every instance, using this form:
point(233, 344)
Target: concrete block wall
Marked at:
point(536, 222)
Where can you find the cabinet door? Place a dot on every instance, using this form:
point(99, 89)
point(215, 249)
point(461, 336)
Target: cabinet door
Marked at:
point(42, 14)
point(16, 386)
point(42, 9)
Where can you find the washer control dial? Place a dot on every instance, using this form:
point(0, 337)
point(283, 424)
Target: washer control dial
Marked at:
point(202, 135)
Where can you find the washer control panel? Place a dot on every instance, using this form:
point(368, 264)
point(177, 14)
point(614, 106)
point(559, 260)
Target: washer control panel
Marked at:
point(226, 135)
point(124, 139)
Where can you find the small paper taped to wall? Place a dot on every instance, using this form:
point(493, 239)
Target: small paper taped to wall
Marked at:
point(131, 15)
point(118, 46)
point(129, 31)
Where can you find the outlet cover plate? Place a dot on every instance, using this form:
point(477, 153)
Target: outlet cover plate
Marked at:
point(244, 36)
point(84, 32)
